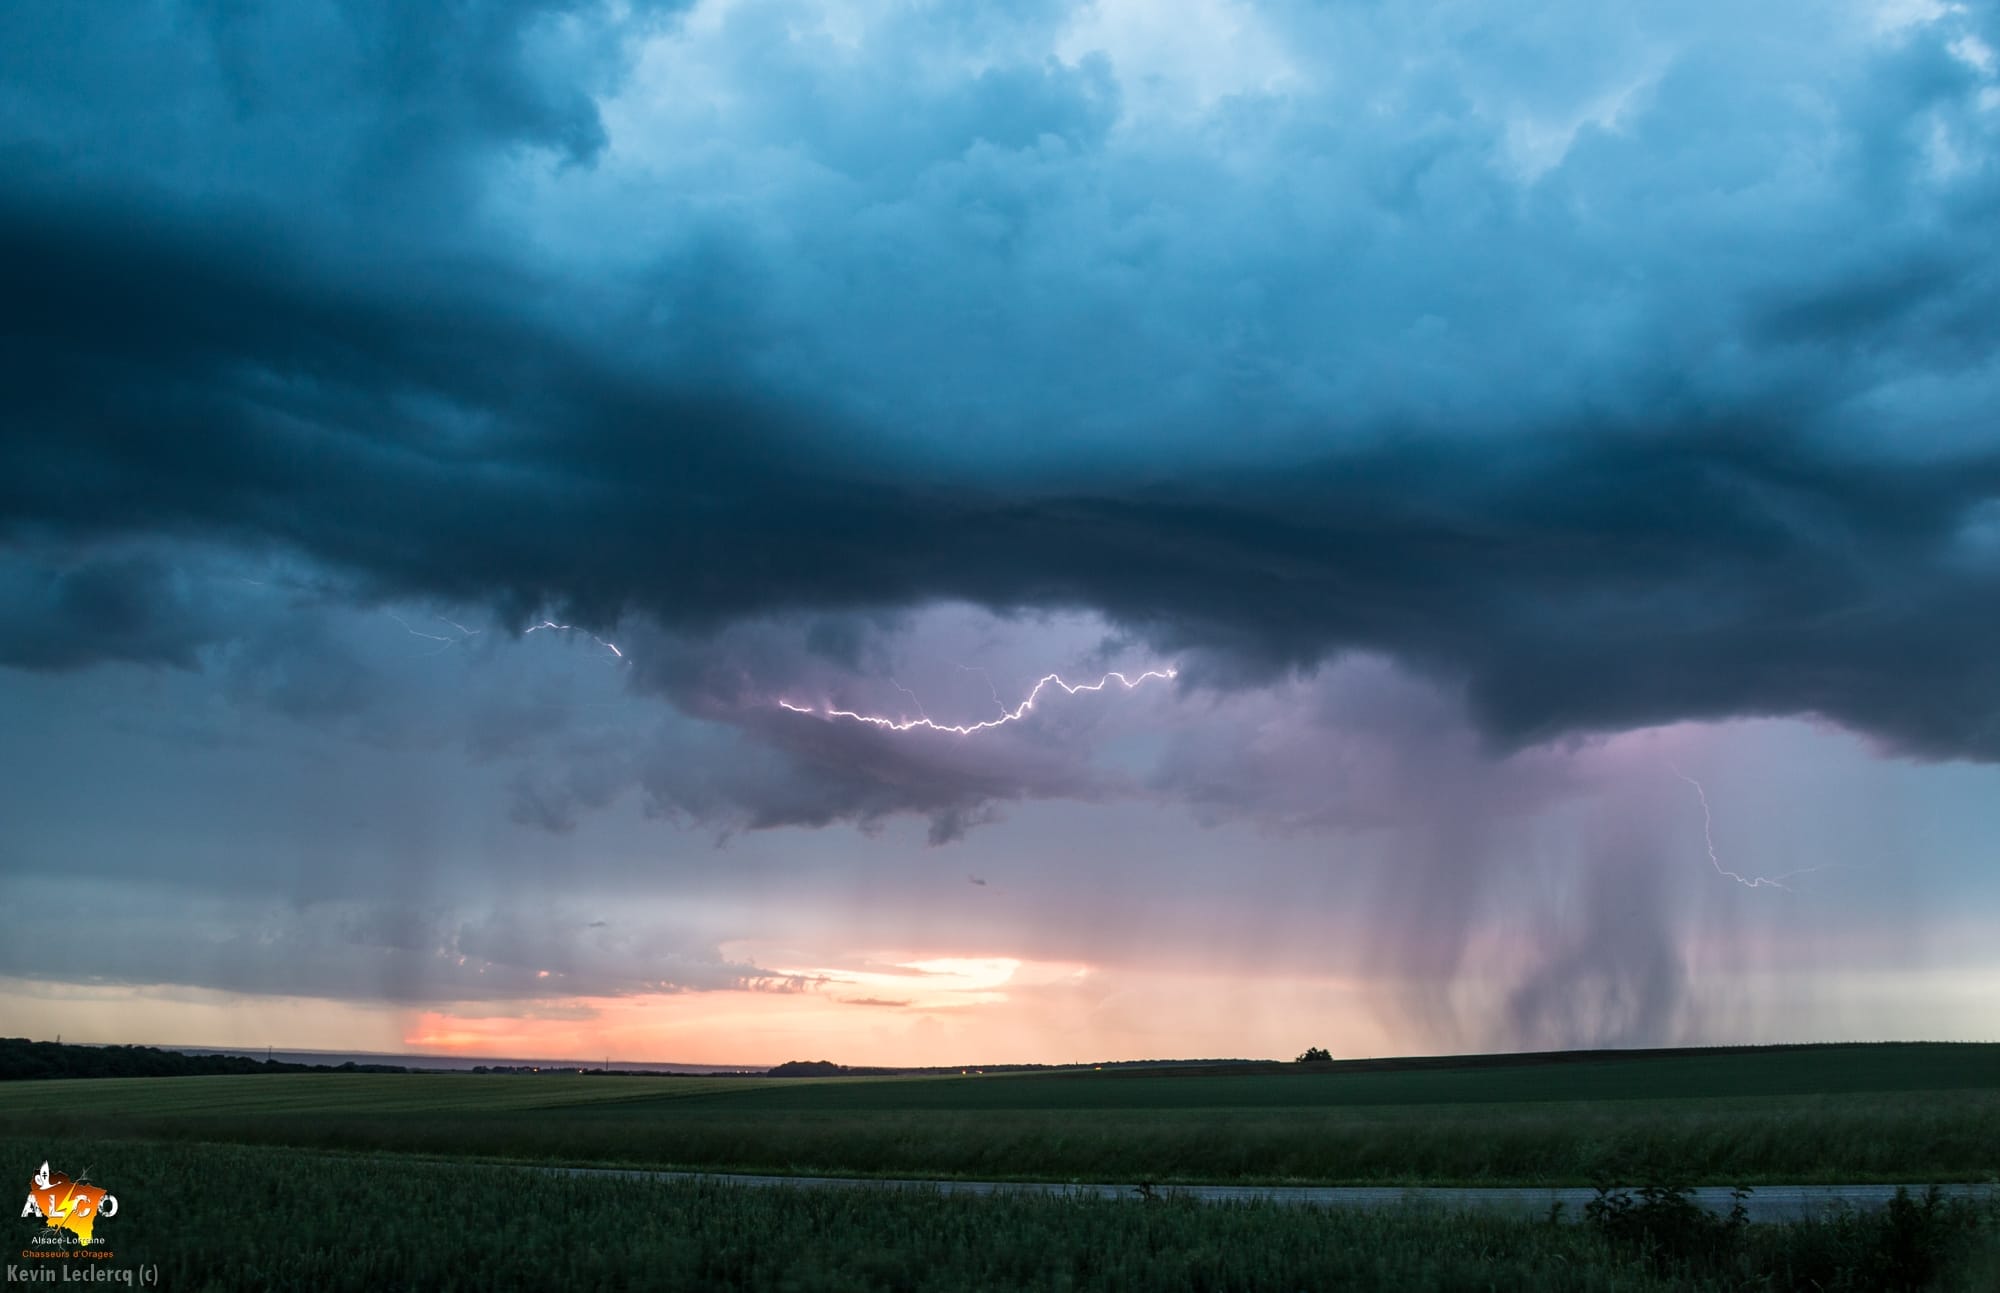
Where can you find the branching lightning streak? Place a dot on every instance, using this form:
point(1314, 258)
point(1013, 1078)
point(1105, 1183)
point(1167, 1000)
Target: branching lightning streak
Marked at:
point(612, 647)
point(912, 695)
point(998, 704)
point(1708, 837)
point(967, 729)
point(444, 643)
point(416, 632)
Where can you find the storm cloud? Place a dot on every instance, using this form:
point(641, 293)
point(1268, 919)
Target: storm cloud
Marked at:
point(1672, 522)
point(1447, 399)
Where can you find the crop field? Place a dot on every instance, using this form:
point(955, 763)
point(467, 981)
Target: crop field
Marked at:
point(1902, 1113)
point(224, 1217)
point(337, 1095)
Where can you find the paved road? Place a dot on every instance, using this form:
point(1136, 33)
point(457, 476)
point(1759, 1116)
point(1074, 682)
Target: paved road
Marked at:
point(1766, 1202)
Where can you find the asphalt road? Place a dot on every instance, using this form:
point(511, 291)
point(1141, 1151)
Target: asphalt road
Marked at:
point(1765, 1202)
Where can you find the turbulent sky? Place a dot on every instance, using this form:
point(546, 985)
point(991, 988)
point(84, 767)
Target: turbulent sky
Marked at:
point(1553, 447)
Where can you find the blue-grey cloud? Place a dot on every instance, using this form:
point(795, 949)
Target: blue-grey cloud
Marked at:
point(1643, 385)
point(363, 950)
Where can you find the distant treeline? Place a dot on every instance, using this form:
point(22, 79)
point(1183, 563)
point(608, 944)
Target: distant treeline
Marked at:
point(21, 1059)
point(827, 1068)
point(1317, 1064)
point(526, 1069)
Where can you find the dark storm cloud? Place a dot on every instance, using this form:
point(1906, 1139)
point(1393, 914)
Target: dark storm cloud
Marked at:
point(754, 765)
point(1633, 524)
point(97, 608)
point(1682, 567)
point(800, 770)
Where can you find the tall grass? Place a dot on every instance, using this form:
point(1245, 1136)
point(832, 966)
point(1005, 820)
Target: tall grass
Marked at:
point(216, 1217)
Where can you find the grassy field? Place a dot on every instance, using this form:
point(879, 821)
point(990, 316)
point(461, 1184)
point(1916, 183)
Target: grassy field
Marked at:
point(226, 1217)
point(338, 1095)
point(1826, 1114)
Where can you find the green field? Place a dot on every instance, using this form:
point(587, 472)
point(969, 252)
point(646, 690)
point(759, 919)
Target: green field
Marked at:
point(1821, 1114)
point(228, 1217)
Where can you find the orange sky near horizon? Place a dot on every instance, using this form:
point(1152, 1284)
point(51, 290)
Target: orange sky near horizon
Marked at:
point(969, 1011)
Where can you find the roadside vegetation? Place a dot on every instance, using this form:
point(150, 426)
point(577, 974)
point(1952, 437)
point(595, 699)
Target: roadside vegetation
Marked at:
point(225, 1217)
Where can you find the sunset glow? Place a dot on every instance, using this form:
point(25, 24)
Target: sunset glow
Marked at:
point(912, 534)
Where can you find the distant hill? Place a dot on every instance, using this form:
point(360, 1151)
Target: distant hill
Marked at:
point(22, 1059)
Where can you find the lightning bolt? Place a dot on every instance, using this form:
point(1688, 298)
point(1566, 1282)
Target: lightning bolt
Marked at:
point(446, 642)
point(1007, 716)
point(62, 1209)
point(612, 647)
point(1708, 836)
